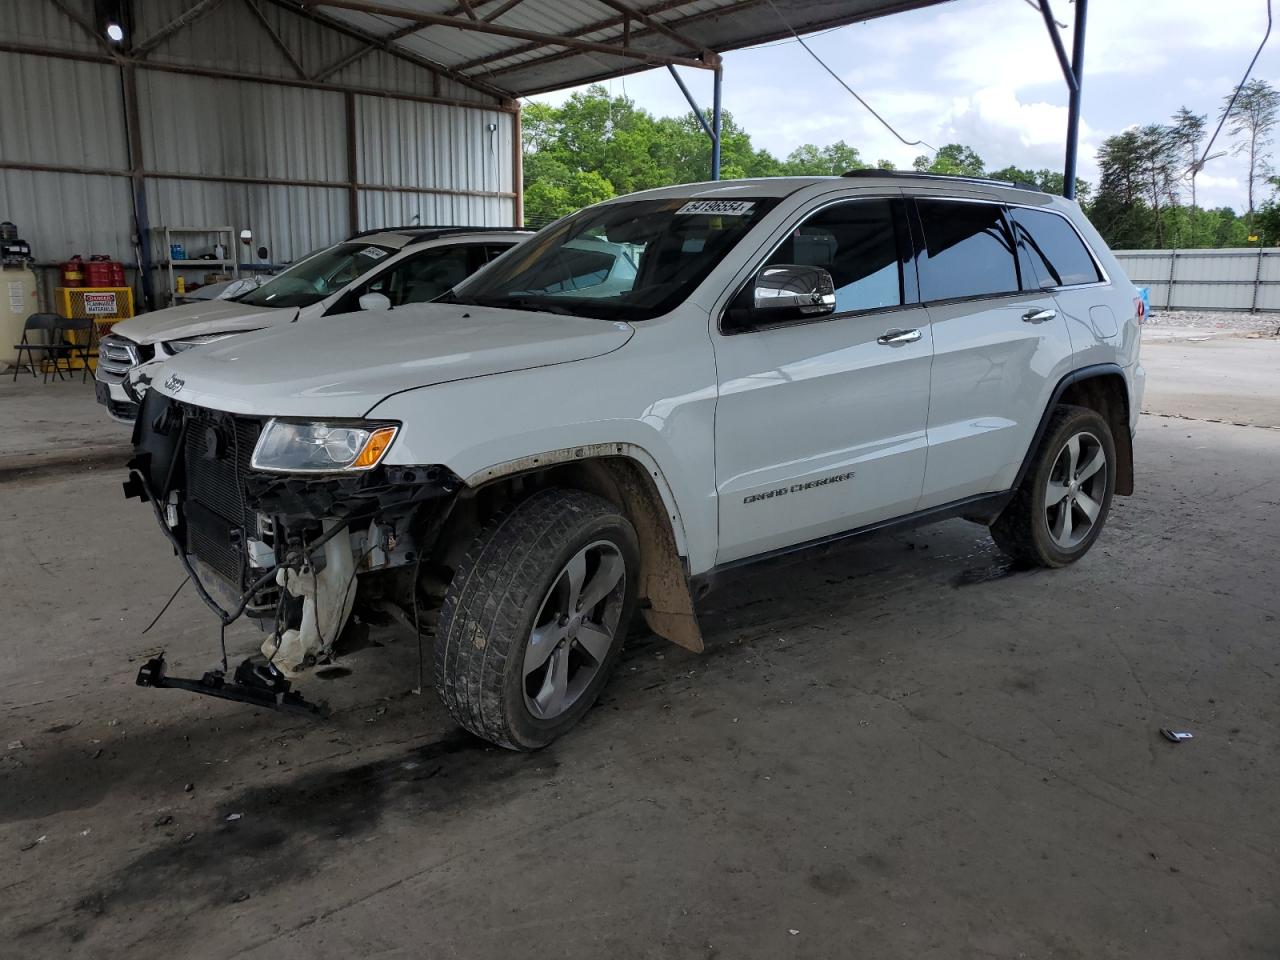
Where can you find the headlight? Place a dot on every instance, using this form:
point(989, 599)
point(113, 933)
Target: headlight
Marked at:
point(319, 447)
point(177, 346)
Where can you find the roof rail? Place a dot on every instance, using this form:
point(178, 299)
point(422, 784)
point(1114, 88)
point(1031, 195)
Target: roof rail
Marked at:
point(431, 232)
point(918, 175)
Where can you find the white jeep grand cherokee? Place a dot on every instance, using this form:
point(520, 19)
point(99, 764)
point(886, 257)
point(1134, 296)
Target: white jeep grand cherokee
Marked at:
point(785, 362)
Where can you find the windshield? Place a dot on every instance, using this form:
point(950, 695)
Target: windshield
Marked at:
point(311, 280)
point(618, 261)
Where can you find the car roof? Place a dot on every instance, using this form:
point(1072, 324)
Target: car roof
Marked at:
point(785, 186)
point(400, 236)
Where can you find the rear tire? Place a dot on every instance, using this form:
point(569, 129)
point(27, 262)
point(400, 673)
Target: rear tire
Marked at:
point(535, 617)
point(1062, 503)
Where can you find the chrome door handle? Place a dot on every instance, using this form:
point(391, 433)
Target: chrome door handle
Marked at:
point(898, 336)
point(1039, 316)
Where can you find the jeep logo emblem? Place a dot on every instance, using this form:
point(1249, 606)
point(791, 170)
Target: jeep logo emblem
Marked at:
point(174, 383)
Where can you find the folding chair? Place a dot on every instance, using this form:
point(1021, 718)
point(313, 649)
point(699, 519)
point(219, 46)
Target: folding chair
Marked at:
point(84, 326)
point(52, 325)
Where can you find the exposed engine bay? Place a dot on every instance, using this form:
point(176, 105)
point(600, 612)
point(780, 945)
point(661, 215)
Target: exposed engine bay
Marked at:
point(284, 549)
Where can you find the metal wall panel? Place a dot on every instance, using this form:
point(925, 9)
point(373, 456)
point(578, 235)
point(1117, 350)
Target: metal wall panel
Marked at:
point(377, 70)
point(1227, 279)
point(288, 221)
point(381, 208)
point(39, 22)
point(61, 111)
point(231, 38)
point(403, 143)
point(234, 128)
point(62, 214)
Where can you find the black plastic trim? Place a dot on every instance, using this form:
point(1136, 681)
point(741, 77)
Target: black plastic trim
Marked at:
point(981, 505)
point(1084, 373)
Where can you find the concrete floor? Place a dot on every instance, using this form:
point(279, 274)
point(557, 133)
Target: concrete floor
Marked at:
point(905, 749)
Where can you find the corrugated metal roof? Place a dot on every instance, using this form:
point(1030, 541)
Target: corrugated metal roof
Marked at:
point(524, 64)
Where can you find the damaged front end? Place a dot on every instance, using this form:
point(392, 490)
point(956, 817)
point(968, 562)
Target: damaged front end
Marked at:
point(283, 546)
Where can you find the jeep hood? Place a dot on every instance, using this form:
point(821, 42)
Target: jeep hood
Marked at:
point(343, 366)
point(198, 319)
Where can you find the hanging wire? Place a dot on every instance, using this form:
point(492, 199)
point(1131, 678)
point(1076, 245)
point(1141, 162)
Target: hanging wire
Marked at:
point(822, 63)
point(173, 597)
point(1204, 157)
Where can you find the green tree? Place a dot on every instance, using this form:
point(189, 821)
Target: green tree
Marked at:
point(1119, 211)
point(1157, 168)
point(832, 160)
point(1187, 134)
point(953, 158)
point(1050, 181)
point(1252, 119)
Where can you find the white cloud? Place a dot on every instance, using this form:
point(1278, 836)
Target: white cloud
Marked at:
point(983, 73)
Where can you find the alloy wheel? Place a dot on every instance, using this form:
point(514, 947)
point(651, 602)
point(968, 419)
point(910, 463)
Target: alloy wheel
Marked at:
point(574, 630)
point(1076, 490)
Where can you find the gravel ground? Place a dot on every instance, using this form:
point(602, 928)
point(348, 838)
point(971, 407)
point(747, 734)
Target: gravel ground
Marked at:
point(1182, 324)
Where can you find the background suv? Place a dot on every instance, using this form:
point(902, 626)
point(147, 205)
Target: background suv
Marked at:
point(402, 265)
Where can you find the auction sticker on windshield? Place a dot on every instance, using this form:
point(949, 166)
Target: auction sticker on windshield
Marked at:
point(728, 208)
point(373, 253)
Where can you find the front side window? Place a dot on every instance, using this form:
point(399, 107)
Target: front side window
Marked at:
point(968, 250)
point(318, 276)
point(861, 244)
point(1057, 254)
point(631, 260)
point(419, 277)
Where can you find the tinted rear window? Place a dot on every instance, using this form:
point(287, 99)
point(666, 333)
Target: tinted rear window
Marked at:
point(968, 250)
point(1056, 251)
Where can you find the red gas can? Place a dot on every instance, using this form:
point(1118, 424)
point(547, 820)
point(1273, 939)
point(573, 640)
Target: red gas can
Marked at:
point(102, 271)
point(71, 273)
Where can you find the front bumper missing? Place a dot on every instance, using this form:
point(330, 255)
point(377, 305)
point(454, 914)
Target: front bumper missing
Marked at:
point(255, 681)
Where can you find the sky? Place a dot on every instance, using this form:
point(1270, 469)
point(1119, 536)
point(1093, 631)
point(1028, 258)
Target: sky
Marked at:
point(983, 73)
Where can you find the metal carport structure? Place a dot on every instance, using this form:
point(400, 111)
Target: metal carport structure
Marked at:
point(523, 47)
point(92, 106)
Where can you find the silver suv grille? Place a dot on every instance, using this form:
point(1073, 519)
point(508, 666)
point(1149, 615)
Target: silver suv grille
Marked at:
point(116, 356)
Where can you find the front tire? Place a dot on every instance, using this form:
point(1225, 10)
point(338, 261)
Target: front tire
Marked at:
point(1059, 509)
point(534, 619)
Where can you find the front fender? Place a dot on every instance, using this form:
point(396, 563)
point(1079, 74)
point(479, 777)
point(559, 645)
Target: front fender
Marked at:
point(487, 427)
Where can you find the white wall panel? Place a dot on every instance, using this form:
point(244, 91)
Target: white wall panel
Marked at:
point(404, 143)
point(1206, 279)
point(62, 214)
point(233, 128)
point(40, 23)
point(61, 111)
point(289, 221)
point(380, 208)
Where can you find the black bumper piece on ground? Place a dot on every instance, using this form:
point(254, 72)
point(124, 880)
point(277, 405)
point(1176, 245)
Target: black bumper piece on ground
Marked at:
point(255, 681)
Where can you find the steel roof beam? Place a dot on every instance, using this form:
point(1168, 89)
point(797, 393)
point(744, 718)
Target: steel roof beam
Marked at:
point(514, 33)
point(656, 25)
point(86, 27)
point(384, 44)
point(185, 19)
point(276, 38)
point(502, 9)
point(599, 25)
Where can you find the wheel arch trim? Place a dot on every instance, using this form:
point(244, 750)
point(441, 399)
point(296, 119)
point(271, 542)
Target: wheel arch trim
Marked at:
point(664, 574)
point(1124, 485)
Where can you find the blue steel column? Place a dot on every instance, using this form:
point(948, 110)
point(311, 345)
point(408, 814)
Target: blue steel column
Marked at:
point(715, 125)
point(1073, 102)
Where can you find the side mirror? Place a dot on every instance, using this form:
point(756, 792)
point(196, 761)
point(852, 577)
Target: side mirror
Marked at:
point(374, 301)
point(792, 289)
